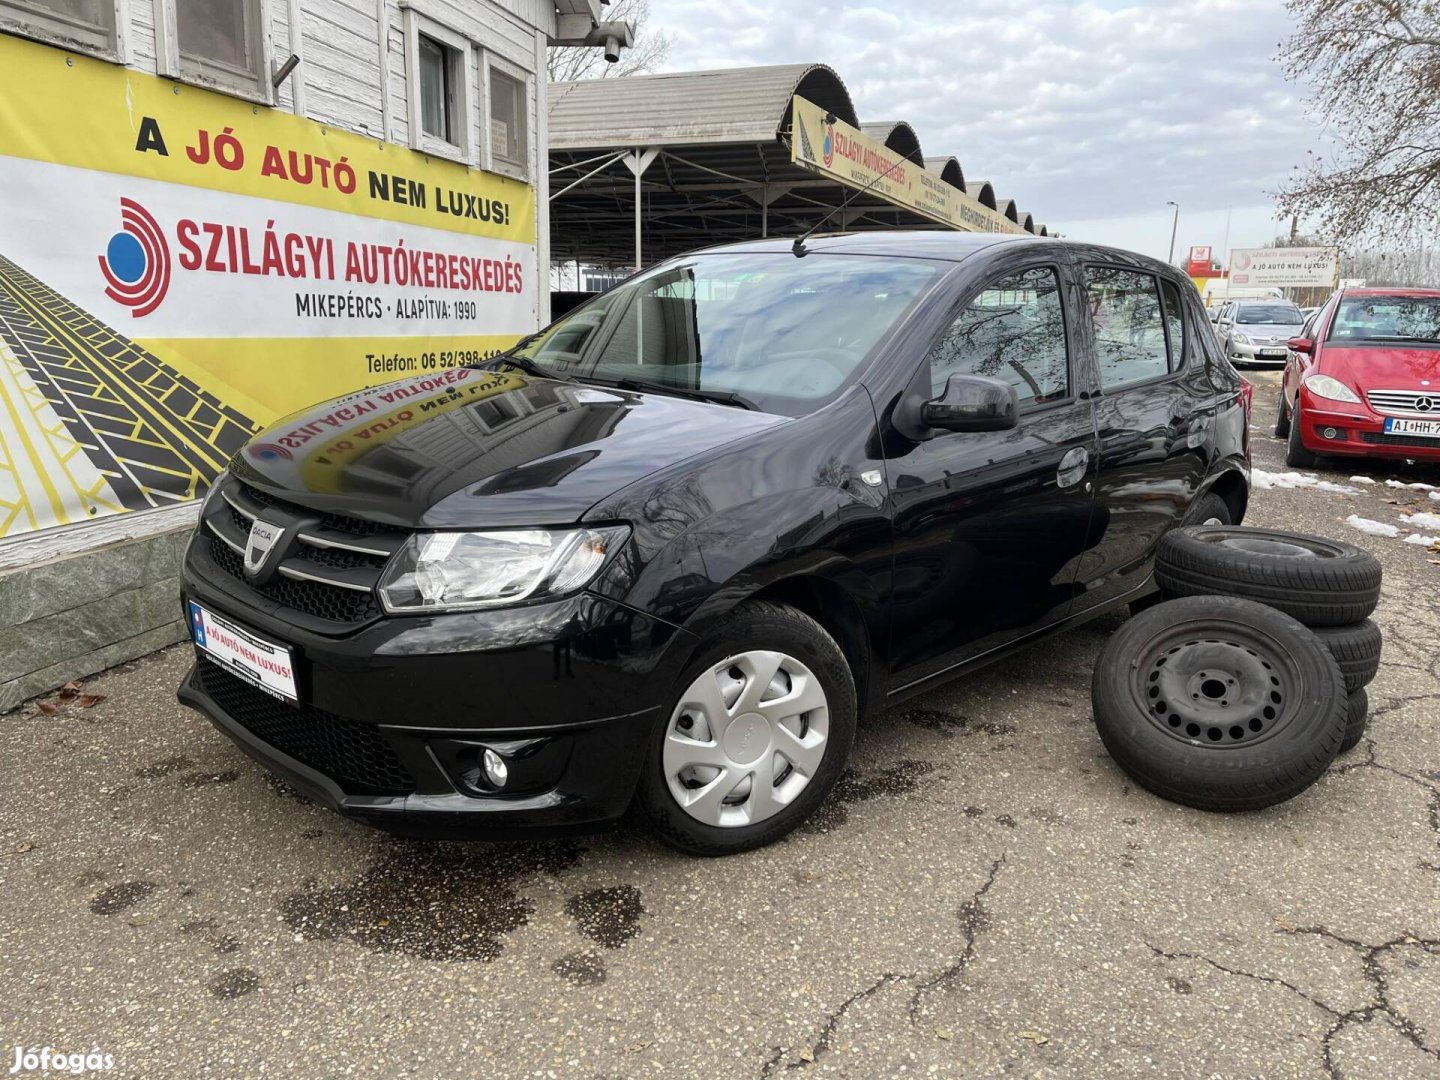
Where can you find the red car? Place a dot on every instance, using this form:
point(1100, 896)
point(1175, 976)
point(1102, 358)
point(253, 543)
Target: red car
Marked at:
point(1363, 379)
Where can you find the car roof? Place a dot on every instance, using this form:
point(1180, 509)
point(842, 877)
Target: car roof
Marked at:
point(1378, 291)
point(940, 244)
point(1264, 300)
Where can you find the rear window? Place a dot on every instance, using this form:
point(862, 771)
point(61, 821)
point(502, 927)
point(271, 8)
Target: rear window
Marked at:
point(1269, 314)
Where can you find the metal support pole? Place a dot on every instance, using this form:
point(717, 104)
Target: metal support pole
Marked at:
point(637, 161)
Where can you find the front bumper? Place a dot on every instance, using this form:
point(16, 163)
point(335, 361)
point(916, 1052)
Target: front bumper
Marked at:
point(1332, 427)
point(394, 717)
point(1251, 354)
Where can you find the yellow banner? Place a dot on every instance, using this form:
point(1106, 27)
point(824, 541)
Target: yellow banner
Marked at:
point(179, 268)
point(858, 161)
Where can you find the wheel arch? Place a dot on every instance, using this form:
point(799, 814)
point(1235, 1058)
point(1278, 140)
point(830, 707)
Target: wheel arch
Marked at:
point(1232, 486)
point(832, 606)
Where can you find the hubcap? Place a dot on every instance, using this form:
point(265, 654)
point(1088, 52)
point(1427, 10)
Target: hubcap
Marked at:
point(1215, 691)
point(746, 738)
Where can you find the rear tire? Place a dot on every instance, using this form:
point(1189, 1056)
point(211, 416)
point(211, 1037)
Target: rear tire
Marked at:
point(1219, 703)
point(1209, 509)
point(765, 672)
point(1296, 456)
point(1356, 649)
point(1357, 717)
point(1321, 582)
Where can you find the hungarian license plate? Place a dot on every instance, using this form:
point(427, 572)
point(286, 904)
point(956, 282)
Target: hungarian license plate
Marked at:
point(264, 664)
point(1276, 354)
point(1428, 428)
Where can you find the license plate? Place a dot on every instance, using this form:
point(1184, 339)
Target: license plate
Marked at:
point(1278, 354)
point(264, 664)
point(1428, 428)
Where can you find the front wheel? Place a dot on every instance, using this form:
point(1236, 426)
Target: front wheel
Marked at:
point(1282, 417)
point(759, 731)
point(1296, 456)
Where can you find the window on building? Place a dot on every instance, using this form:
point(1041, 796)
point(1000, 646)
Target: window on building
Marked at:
point(1130, 343)
point(437, 89)
point(439, 65)
point(508, 142)
point(88, 25)
point(215, 43)
point(1013, 331)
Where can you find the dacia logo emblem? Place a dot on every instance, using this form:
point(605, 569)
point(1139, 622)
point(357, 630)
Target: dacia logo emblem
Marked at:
point(264, 536)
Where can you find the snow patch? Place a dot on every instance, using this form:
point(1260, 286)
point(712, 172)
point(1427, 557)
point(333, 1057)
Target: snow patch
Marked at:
point(1266, 480)
point(1416, 487)
point(1361, 480)
point(1435, 495)
point(1421, 540)
point(1421, 521)
point(1373, 528)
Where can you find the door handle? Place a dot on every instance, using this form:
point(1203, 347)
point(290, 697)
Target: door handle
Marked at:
point(1072, 467)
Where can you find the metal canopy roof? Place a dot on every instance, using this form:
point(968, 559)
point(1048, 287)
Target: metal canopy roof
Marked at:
point(713, 151)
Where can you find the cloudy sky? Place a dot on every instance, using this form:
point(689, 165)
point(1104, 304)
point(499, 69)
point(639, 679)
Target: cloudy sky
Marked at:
point(1089, 114)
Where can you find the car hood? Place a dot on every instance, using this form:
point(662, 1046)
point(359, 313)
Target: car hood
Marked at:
point(468, 448)
point(1268, 330)
point(1382, 367)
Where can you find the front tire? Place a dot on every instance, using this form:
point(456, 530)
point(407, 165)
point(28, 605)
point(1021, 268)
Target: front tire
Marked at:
point(1296, 456)
point(760, 728)
point(1282, 417)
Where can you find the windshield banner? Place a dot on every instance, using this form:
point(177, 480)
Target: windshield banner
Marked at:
point(858, 161)
point(179, 268)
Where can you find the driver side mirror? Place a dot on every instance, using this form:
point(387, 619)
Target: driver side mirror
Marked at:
point(1303, 345)
point(973, 403)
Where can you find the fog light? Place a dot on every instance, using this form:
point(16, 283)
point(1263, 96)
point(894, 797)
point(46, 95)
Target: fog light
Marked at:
point(495, 769)
point(1329, 432)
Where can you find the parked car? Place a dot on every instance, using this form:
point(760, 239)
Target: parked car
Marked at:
point(674, 546)
point(1363, 379)
point(1256, 331)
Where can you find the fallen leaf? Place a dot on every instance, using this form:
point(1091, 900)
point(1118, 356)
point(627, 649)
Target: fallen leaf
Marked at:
point(24, 848)
point(69, 690)
point(48, 708)
point(1038, 1038)
point(1286, 924)
point(88, 701)
point(807, 1055)
point(635, 1048)
point(944, 1033)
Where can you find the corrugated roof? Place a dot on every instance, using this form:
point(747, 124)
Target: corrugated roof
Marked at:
point(948, 169)
point(896, 135)
point(688, 107)
point(983, 190)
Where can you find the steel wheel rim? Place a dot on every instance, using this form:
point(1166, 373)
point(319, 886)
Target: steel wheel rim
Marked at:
point(746, 738)
point(1216, 686)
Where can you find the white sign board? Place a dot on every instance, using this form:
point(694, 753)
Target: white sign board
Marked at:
point(1284, 268)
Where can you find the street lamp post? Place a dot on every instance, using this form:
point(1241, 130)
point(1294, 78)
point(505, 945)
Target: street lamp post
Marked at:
point(1174, 227)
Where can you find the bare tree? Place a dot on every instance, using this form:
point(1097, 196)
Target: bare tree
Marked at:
point(570, 63)
point(1374, 71)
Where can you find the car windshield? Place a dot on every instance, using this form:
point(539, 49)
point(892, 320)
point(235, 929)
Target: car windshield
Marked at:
point(1269, 315)
point(781, 333)
point(1387, 318)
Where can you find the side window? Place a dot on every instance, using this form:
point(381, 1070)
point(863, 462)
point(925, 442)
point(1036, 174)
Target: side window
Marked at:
point(1174, 324)
point(1130, 342)
point(1013, 331)
point(219, 44)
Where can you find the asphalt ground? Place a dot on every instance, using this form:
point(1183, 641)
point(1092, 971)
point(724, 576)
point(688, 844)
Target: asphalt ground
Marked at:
point(985, 895)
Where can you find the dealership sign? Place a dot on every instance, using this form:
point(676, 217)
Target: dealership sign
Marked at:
point(1283, 268)
point(179, 268)
point(833, 148)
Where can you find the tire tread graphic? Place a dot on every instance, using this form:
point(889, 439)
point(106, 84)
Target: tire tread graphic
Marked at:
point(151, 436)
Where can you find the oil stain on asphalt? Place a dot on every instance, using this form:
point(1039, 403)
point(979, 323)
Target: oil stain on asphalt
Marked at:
point(899, 779)
point(436, 901)
point(117, 898)
point(237, 982)
point(610, 916)
point(580, 969)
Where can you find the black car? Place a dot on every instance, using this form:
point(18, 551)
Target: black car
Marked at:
point(670, 549)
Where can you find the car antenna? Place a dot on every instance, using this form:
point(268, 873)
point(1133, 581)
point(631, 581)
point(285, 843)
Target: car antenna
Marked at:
point(798, 247)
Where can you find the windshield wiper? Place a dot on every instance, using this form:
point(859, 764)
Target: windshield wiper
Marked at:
point(523, 363)
point(720, 397)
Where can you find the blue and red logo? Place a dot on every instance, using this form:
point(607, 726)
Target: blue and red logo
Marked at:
point(271, 452)
point(829, 146)
point(136, 263)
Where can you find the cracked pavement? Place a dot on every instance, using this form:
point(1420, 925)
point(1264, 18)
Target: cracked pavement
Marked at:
point(986, 895)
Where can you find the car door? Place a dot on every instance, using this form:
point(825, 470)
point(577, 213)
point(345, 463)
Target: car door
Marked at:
point(988, 525)
point(1225, 323)
point(1154, 410)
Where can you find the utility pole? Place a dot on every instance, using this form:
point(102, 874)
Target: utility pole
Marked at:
point(1174, 227)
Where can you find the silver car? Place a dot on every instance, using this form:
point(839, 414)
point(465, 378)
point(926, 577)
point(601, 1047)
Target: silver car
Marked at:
point(1257, 331)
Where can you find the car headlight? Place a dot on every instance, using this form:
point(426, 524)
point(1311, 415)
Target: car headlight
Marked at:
point(467, 571)
point(1330, 388)
point(212, 492)
point(1240, 338)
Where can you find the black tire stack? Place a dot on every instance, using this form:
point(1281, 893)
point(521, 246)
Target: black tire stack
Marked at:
point(1270, 647)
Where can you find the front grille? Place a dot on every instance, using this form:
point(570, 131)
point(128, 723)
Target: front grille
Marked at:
point(1380, 439)
point(331, 568)
point(356, 756)
point(1405, 402)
